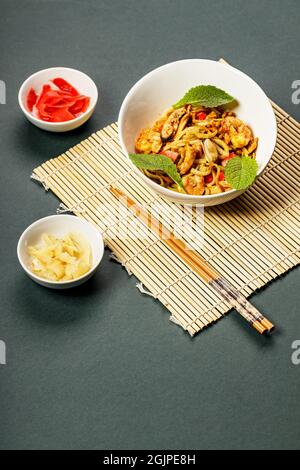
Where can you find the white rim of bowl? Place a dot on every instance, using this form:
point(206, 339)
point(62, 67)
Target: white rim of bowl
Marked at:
point(54, 124)
point(167, 191)
point(38, 278)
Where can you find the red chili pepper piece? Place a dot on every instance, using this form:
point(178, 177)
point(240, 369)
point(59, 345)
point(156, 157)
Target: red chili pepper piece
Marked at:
point(201, 116)
point(31, 99)
point(63, 85)
point(221, 176)
point(208, 179)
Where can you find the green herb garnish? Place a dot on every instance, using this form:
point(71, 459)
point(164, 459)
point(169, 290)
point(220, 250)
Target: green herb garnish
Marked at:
point(157, 163)
point(208, 96)
point(240, 172)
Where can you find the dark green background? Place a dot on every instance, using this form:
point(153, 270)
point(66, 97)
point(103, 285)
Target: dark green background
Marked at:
point(102, 367)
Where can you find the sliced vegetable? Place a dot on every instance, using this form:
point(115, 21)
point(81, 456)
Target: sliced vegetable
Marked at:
point(31, 99)
point(59, 104)
point(56, 114)
point(80, 106)
point(63, 85)
point(42, 95)
point(61, 259)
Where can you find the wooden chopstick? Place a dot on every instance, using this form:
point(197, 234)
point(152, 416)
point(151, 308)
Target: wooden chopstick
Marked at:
point(200, 266)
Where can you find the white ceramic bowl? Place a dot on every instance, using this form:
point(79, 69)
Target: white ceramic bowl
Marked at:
point(60, 225)
point(82, 82)
point(160, 89)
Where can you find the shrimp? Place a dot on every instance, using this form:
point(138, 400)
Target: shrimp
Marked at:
point(194, 184)
point(148, 141)
point(188, 156)
point(240, 134)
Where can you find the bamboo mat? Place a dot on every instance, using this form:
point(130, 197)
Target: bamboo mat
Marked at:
point(250, 241)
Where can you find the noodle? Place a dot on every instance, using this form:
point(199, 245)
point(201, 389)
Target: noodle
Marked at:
point(200, 141)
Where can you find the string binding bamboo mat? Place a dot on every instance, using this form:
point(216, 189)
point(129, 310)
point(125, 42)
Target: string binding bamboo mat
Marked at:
point(250, 241)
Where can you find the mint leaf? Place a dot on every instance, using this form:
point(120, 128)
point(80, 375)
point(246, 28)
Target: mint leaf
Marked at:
point(240, 172)
point(157, 162)
point(205, 95)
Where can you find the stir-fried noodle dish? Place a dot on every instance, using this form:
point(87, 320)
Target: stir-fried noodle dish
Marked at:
point(200, 141)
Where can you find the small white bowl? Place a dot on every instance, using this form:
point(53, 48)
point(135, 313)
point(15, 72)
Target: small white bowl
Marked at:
point(82, 82)
point(60, 225)
point(160, 89)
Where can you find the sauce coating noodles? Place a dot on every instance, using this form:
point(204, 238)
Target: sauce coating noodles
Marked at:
point(200, 141)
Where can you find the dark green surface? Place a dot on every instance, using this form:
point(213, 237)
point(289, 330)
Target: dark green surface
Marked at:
point(102, 366)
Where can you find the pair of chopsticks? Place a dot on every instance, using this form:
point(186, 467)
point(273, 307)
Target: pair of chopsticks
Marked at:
point(200, 266)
